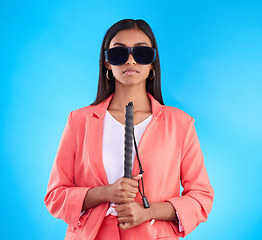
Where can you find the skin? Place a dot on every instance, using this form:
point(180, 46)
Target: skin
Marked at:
point(130, 85)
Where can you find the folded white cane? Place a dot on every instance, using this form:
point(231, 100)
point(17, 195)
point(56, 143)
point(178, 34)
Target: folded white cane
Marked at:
point(129, 138)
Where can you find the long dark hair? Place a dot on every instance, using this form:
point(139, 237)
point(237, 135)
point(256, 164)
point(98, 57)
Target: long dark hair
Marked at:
point(106, 87)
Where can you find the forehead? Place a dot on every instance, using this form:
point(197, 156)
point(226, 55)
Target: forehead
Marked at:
point(130, 37)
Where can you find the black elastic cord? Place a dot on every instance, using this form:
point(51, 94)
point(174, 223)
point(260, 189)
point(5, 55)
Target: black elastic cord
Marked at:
point(140, 165)
point(145, 201)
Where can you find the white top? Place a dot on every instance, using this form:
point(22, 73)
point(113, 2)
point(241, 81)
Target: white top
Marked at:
point(113, 148)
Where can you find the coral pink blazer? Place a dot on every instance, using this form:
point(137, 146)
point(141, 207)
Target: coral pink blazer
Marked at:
point(169, 151)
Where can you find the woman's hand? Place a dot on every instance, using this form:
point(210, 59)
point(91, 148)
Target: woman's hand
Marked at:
point(131, 214)
point(124, 190)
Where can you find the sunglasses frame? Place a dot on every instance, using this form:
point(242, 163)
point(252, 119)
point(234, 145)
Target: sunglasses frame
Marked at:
point(130, 51)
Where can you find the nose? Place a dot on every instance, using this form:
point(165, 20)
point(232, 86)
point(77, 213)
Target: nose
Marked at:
point(130, 59)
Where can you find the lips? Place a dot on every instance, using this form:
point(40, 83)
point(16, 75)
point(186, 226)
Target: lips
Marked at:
point(130, 71)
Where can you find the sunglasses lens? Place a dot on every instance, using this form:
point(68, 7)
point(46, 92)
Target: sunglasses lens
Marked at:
point(117, 55)
point(144, 55)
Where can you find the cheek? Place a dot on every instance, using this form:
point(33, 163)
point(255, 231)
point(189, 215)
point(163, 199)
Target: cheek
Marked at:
point(116, 71)
point(146, 71)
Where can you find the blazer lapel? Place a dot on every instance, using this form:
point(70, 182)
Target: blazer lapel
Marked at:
point(158, 115)
point(95, 139)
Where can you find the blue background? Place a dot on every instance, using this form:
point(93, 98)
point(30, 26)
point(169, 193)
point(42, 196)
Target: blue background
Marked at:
point(211, 63)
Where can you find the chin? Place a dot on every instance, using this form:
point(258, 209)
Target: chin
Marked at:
point(131, 81)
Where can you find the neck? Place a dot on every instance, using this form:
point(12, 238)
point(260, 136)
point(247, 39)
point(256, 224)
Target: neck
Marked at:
point(125, 94)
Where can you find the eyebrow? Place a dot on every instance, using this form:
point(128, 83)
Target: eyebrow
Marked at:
point(137, 44)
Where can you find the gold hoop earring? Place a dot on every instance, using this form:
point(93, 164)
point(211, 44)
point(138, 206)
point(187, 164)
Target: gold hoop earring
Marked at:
point(151, 70)
point(110, 79)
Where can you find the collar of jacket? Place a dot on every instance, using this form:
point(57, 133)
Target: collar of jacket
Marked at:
point(157, 109)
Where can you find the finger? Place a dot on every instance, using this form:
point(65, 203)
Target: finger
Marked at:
point(131, 195)
point(120, 208)
point(127, 193)
point(124, 214)
point(125, 200)
point(136, 177)
point(125, 226)
point(124, 220)
point(121, 214)
point(129, 190)
point(131, 182)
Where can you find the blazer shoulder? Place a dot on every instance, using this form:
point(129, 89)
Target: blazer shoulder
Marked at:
point(177, 114)
point(82, 112)
point(79, 116)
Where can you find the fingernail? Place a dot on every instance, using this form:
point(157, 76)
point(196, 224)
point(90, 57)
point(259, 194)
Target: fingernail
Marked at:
point(113, 205)
point(152, 222)
point(137, 177)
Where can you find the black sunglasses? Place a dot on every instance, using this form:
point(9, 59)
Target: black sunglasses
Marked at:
point(119, 55)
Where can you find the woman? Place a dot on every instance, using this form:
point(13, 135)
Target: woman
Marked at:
point(87, 188)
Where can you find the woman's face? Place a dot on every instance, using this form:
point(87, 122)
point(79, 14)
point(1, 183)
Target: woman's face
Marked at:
point(131, 72)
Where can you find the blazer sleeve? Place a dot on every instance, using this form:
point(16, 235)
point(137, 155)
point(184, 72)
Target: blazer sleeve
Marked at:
point(64, 200)
point(195, 202)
